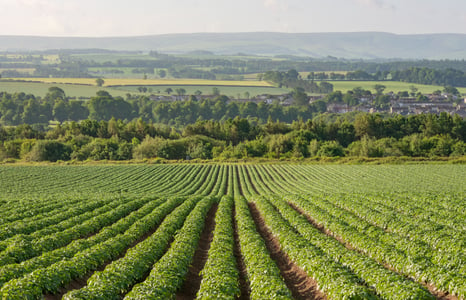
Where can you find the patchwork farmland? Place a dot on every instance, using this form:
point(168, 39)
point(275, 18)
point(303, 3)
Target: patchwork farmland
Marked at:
point(233, 231)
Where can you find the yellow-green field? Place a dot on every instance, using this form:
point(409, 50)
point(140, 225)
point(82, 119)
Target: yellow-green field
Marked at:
point(86, 87)
point(22, 70)
point(391, 86)
point(148, 82)
point(83, 90)
point(41, 89)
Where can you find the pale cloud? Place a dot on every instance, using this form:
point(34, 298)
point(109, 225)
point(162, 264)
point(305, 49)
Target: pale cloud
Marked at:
point(276, 5)
point(377, 4)
point(144, 17)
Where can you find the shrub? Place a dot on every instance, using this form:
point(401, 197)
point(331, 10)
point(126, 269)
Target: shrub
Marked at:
point(45, 150)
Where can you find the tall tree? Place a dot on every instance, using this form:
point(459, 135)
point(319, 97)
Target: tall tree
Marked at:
point(99, 82)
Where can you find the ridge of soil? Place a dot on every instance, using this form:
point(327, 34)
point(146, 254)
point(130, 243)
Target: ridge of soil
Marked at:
point(243, 283)
point(239, 182)
point(79, 283)
point(193, 278)
point(301, 286)
point(440, 295)
point(251, 182)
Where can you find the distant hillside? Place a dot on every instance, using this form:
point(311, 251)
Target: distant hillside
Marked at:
point(365, 45)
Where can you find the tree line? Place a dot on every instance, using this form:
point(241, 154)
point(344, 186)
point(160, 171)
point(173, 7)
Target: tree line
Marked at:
point(447, 77)
point(21, 108)
point(72, 63)
point(363, 135)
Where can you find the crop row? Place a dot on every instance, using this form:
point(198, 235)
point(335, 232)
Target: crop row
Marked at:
point(50, 278)
point(119, 276)
point(17, 252)
point(220, 277)
point(402, 255)
point(450, 242)
point(334, 279)
point(28, 226)
point(263, 274)
point(167, 274)
point(11, 271)
point(388, 284)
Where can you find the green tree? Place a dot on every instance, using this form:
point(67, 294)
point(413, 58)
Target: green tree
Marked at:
point(162, 73)
point(55, 93)
point(104, 107)
point(168, 90)
point(300, 97)
point(181, 92)
point(99, 82)
point(31, 114)
point(61, 110)
point(379, 88)
point(45, 150)
point(451, 90)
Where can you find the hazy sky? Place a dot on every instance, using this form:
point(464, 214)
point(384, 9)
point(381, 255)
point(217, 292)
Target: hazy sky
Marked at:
point(145, 17)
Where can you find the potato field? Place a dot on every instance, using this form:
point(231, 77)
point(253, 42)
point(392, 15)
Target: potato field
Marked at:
point(233, 231)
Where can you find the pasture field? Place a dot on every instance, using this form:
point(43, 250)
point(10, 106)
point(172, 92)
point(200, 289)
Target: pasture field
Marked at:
point(23, 70)
point(86, 87)
point(109, 82)
point(230, 91)
point(391, 86)
point(41, 89)
point(233, 231)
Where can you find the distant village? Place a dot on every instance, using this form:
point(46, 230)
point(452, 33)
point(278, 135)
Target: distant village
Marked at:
point(407, 106)
point(435, 104)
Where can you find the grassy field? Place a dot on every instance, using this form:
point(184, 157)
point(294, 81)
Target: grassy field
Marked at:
point(149, 82)
point(82, 90)
point(230, 91)
point(41, 89)
point(86, 87)
point(22, 70)
point(391, 86)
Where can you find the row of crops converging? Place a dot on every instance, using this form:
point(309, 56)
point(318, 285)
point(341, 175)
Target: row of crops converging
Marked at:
point(232, 231)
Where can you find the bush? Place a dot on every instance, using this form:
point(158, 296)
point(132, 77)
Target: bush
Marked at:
point(45, 150)
point(331, 149)
point(159, 147)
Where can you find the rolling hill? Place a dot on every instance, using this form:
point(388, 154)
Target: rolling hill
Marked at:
point(365, 45)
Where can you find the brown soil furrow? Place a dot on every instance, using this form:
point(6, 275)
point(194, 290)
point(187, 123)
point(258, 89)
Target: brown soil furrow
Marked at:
point(193, 279)
point(75, 284)
point(437, 294)
point(300, 285)
point(239, 183)
point(243, 284)
point(250, 181)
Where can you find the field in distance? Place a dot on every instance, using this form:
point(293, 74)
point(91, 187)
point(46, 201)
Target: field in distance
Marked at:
point(149, 82)
point(391, 86)
point(86, 87)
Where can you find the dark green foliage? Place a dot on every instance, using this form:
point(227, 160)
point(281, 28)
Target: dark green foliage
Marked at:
point(367, 135)
point(45, 150)
point(104, 107)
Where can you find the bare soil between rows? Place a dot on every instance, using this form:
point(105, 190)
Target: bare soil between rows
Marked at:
point(301, 286)
point(440, 295)
point(79, 283)
point(193, 279)
point(243, 283)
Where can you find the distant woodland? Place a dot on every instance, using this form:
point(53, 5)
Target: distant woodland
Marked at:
point(205, 65)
